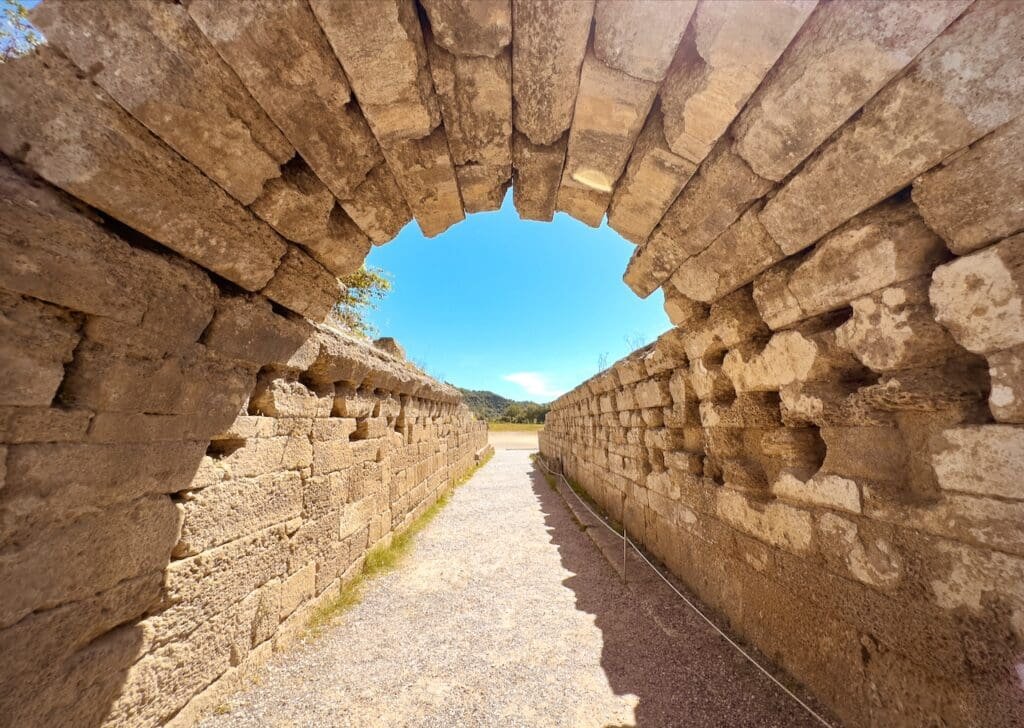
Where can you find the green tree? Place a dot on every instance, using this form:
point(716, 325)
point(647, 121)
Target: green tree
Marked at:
point(363, 291)
point(17, 35)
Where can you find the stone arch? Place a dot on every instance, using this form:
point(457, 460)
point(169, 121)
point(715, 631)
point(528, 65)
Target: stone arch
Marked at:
point(827, 200)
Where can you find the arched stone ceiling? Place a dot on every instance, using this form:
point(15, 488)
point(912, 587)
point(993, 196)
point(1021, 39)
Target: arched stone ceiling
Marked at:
point(274, 144)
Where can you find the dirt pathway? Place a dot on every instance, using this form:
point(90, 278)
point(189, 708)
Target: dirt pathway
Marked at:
point(507, 614)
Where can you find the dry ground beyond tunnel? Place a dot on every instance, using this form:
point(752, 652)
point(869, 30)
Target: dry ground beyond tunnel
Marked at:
point(506, 614)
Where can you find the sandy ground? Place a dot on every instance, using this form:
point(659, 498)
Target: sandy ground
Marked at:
point(507, 614)
point(510, 440)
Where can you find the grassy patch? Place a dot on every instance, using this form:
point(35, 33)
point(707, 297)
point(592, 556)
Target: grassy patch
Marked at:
point(384, 557)
point(514, 427)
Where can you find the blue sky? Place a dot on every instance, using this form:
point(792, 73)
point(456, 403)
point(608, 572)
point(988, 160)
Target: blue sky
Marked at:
point(521, 308)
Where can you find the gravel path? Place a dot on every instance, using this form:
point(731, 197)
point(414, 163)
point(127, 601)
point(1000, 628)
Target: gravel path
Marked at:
point(507, 614)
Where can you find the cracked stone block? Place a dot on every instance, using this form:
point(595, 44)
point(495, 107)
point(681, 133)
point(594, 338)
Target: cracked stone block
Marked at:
point(844, 54)
point(980, 459)
point(471, 27)
point(378, 206)
point(732, 260)
point(537, 173)
point(640, 37)
point(974, 199)
point(36, 341)
point(962, 86)
point(74, 136)
point(303, 210)
point(312, 102)
point(424, 172)
point(303, 286)
point(610, 111)
point(380, 46)
point(979, 298)
point(726, 52)
point(550, 42)
point(653, 179)
point(154, 61)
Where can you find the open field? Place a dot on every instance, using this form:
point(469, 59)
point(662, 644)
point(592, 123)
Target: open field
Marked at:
point(514, 427)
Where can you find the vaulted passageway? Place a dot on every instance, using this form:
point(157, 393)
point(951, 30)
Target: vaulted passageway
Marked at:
point(826, 446)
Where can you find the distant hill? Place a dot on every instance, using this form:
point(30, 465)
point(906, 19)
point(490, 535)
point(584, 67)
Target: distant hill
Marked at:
point(493, 407)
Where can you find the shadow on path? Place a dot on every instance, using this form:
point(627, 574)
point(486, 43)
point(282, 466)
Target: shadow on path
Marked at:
point(654, 646)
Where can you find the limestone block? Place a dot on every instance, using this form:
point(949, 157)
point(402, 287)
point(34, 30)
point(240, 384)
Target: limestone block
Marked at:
point(585, 205)
point(894, 328)
point(57, 564)
point(483, 186)
point(611, 107)
point(964, 85)
point(778, 524)
point(471, 27)
point(681, 310)
point(352, 402)
point(252, 458)
point(54, 253)
point(653, 393)
point(36, 341)
point(728, 50)
point(653, 179)
point(424, 172)
point(978, 298)
point(303, 285)
point(873, 561)
point(236, 508)
point(476, 104)
point(980, 459)
point(155, 63)
point(974, 199)
point(42, 640)
point(844, 54)
point(380, 46)
point(714, 199)
point(247, 328)
point(887, 244)
point(311, 101)
point(732, 260)
point(83, 685)
point(164, 680)
point(77, 138)
point(641, 37)
point(987, 522)
point(972, 576)
point(789, 357)
point(124, 427)
point(277, 396)
point(200, 587)
point(733, 319)
point(296, 590)
point(1006, 369)
point(830, 491)
point(709, 382)
point(302, 209)
point(377, 206)
point(550, 42)
point(196, 381)
point(330, 456)
point(537, 174)
point(43, 424)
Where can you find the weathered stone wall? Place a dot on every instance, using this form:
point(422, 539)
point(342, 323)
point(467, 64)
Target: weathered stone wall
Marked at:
point(187, 471)
point(821, 458)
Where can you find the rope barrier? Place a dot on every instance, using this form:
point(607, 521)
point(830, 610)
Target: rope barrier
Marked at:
point(688, 602)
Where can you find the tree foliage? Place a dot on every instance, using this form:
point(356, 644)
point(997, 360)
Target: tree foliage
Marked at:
point(495, 408)
point(17, 34)
point(363, 291)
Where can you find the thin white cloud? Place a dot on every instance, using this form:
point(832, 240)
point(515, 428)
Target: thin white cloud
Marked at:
point(535, 384)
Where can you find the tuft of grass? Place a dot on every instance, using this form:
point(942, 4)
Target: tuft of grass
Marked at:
point(384, 557)
point(515, 426)
point(222, 709)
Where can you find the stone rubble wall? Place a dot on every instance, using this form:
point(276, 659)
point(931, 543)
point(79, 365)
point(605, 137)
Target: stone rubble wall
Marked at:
point(187, 470)
point(831, 458)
